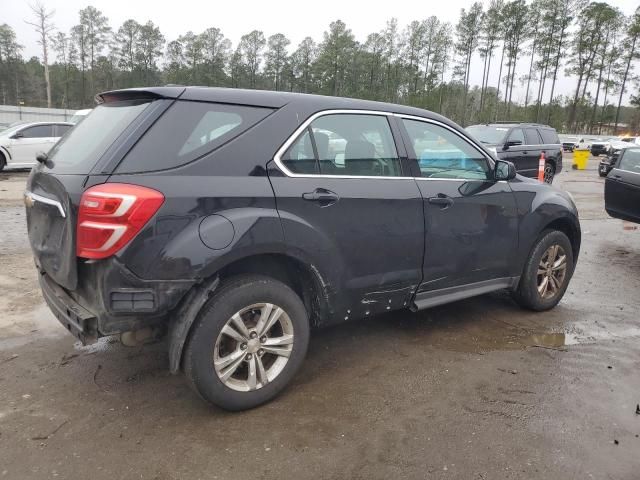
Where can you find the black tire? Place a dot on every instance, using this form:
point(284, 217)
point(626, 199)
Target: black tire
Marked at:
point(549, 172)
point(527, 294)
point(238, 293)
point(3, 161)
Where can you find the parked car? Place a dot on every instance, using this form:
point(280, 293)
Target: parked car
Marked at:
point(615, 148)
point(569, 142)
point(633, 140)
point(599, 146)
point(80, 115)
point(622, 186)
point(20, 144)
point(523, 144)
point(233, 221)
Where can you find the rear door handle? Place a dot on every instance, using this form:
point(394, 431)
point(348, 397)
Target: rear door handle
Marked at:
point(321, 195)
point(441, 200)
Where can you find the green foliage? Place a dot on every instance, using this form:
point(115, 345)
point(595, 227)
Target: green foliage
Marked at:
point(427, 63)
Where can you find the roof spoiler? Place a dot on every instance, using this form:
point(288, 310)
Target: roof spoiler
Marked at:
point(139, 94)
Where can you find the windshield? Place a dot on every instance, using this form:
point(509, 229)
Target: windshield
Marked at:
point(488, 134)
point(80, 150)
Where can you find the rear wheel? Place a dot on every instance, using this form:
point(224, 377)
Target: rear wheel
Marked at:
point(3, 162)
point(547, 273)
point(549, 172)
point(248, 342)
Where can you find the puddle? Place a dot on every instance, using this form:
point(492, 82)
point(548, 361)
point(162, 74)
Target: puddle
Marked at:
point(563, 339)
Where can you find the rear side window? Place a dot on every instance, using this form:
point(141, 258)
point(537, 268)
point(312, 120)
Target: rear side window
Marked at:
point(188, 131)
point(531, 136)
point(549, 136)
point(39, 131)
point(79, 151)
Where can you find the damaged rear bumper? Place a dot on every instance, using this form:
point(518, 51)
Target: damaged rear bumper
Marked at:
point(79, 321)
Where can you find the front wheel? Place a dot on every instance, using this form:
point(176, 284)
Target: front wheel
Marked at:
point(248, 342)
point(547, 272)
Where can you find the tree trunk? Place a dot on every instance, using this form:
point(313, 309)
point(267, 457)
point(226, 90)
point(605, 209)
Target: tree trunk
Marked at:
point(555, 73)
point(595, 103)
point(526, 96)
point(574, 105)
point(624, 81)
point(499, 80)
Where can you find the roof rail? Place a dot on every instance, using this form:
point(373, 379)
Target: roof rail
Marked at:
point(517, 122)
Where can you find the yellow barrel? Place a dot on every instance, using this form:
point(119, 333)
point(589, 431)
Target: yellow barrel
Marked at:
point(580, 158)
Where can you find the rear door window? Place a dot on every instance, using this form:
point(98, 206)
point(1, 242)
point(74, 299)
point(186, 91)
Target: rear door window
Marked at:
point(39, 131)
point(300, 157)
point(188, 131)
point(531, 136)
point(355, 145)
point(549, 136)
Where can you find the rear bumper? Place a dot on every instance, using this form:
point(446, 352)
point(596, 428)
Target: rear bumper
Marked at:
point(80, 322)
point(110, 300)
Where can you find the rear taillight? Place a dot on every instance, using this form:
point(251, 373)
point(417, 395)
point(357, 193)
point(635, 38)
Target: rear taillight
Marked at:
point(110, 215)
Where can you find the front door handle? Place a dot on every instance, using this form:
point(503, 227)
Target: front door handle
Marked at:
point(321, 195)
point(442, 200)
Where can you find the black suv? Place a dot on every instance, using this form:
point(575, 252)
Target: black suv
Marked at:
point(622, 186)
point(523, 144)
point(234, 221)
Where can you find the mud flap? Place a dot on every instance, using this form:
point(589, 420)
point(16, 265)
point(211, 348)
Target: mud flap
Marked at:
point(184, 317)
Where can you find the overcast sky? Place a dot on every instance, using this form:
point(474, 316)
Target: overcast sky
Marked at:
point(295, 18)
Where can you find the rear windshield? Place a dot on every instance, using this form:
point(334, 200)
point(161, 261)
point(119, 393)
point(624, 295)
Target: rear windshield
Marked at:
point(80, 150)
point(188, 131)
point(488, 134)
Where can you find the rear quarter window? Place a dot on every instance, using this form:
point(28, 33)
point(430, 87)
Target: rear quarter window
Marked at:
point(188, 131)
point(549, 136)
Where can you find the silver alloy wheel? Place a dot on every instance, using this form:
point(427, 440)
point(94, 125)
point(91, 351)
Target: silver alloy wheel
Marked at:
point(253, 347)
point(552, 271)
point(548, 173)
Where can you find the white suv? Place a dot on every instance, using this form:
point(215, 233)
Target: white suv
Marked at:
point(20, 144)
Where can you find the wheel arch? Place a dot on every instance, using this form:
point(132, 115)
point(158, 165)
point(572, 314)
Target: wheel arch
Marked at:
point(303, 278)
point(571, 230)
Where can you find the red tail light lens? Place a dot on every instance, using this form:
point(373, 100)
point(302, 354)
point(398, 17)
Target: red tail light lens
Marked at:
point(110, 215)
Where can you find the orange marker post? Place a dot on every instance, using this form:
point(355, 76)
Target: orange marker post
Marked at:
point(541, 163)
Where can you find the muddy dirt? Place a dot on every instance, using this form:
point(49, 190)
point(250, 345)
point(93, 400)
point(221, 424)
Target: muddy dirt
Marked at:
point(476, 390)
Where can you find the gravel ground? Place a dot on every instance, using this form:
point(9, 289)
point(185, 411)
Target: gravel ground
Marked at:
point(477, 390)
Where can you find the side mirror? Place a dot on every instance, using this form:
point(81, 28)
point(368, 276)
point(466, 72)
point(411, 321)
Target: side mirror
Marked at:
point(504, 170)
point(511, 143)
point(17, 135)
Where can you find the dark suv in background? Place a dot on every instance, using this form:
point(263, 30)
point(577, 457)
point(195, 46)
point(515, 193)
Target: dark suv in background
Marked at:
point(233, 221)
point(522, 144)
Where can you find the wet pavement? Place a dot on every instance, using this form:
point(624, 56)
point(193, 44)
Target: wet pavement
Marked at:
point(479, 389)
